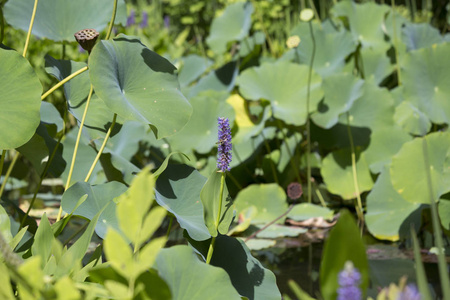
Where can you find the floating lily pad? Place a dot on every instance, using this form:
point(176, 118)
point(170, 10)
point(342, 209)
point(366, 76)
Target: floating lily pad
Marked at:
point(138, 84)
point(408, 173)
point(276, 231)
point(269, 200)
point(20, 101)
point(425, 79)
point(60, 20)
point(233, 25)
point(305, 211)
point(386, 209)
point(285, 85)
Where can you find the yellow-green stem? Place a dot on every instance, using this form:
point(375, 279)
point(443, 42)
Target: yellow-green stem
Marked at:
point(211, 246)
point(170, 226)
point(33, 15)
point(2, 161)
point(308, 125)
point(8, 172)
point(266, 33)
point(359, 208)
point(75, 150)
point(111, 24)
point(63, 81)
point(101, 148)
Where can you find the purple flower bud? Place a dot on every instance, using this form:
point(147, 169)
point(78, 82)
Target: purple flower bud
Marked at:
point(166, 21)
point(144, 21)
point(410, 292)
point(349, 280)
point(130, 19)
point(224, 145)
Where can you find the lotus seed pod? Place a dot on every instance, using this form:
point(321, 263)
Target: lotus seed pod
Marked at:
point(306, 15)
point(294, 190)
point(86, 38)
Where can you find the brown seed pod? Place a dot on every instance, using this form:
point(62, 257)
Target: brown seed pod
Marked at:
point(294, 190)
point(86, 38)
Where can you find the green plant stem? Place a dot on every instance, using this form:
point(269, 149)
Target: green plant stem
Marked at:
point(397, 57)
point(422, 283)
point(170, 226)
point(63, 81)
point(219, 213)
point(263, 27)
point(101, 148)
point(308, 121)
point(359, 208)
point(291, 156)
point(27, 41)
point(75, 150)
point(2, 161)
point(2, 25)
point(272, 164)
point(8, 172)
point(319, 195)
point(111, 24)
point(44, 173)
point(313, 7)
point(442, 264)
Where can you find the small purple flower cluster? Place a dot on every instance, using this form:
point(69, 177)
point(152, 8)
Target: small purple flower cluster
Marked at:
point(410, 292)
point(131, 18)
point(349, 280)
point(224, 145)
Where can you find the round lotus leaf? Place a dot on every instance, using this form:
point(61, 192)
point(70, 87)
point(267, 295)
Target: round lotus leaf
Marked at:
point(232, 25)
point(269, 200)
point(284, 84)
point(337, 173)
point(138, 84)
point(20, 100)
point(411, 119)
point(366, 22)
point(425, 78)
point(408, 171)
point(384, 143)
point(332, 48)
point(386, 209)
point(376, 64)
point(422, 35)
point(340, 91)
point(59, 20)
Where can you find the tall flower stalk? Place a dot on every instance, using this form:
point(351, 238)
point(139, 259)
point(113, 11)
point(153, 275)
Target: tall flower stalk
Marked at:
point(223, 164)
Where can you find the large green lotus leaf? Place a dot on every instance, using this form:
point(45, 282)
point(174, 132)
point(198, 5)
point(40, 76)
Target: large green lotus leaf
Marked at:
point(178, 190)
point(250, 43)
point(374, 109)
point(408, 172)
point(304, 211)
point(384, 143)
point(340, 91)
point(98, 197)
point(337, 173)
point(50, 115)
point(286, 152)
point(138, 84)
point(386, 209)
point(221, 79)
point(85, 157)
point(376, 64)
point(247, 274)
point(189, 278)
point(425, 80)
point(411, 119)
point(59, 20)
point(39, 149)
point(192, 67)
point(269, 200)
point(343, 244)
point(210, 197)
point(422, 35)
point(233, 25)
point(366, 22)
point(76, 91)
point(285, 85)
point(20, 102)
point(200, 133)
point(331, 48)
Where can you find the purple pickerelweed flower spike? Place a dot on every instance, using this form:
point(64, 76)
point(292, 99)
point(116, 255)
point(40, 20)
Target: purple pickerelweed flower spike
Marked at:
point(130, 19)
point(224, 145)
point(410, 292)
point(166, 21)
point(349, 280)
point(144, 21)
